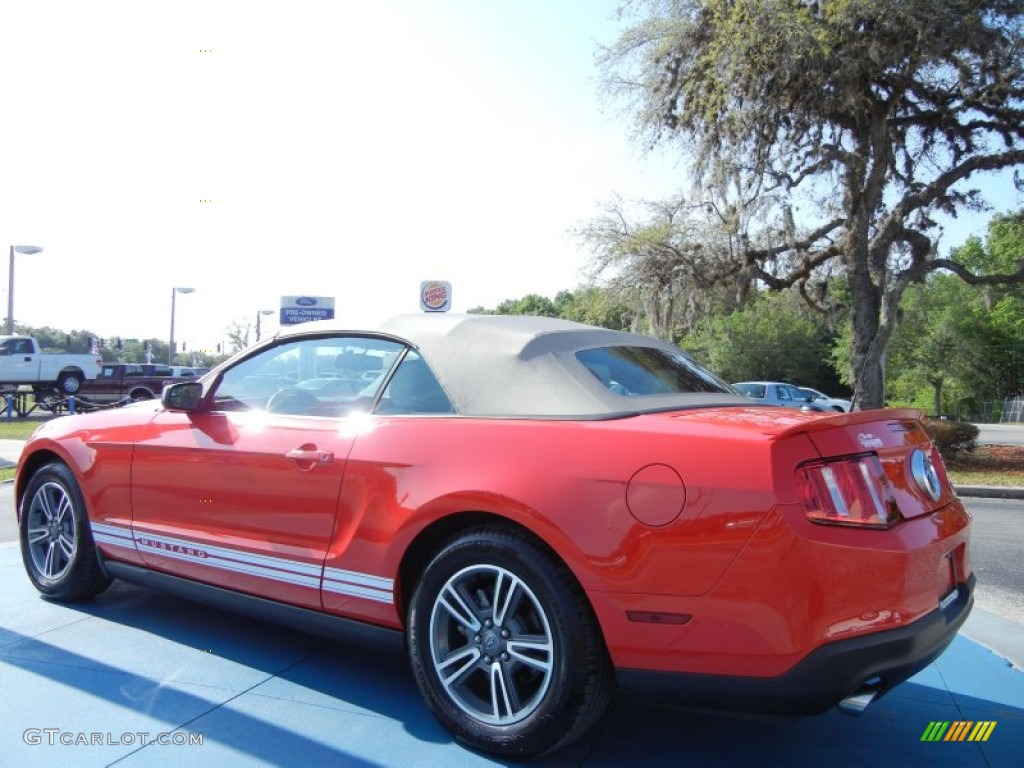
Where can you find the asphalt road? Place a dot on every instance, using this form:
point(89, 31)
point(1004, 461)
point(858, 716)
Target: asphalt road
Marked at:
point(997, 547)
point(1001, 434)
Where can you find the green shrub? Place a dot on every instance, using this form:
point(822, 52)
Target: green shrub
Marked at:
point(952, 437)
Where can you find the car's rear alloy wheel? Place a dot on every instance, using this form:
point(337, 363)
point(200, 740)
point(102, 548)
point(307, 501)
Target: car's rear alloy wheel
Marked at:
point(505, 648)
point(56, 542)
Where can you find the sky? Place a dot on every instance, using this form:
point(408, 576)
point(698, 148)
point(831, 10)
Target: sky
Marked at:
point(254, 149)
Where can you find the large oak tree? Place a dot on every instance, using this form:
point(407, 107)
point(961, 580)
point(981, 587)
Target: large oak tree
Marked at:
point(662, 259)
point(858, 119)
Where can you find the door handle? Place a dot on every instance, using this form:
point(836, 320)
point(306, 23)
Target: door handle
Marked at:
point(311, 455)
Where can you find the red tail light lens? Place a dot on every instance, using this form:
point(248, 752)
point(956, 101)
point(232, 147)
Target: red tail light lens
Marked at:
point(852, 490)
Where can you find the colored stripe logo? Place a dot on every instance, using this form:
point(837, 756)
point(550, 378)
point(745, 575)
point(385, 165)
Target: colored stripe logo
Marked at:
point(959, 730)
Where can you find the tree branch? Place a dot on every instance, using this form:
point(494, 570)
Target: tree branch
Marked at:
point(918, 271)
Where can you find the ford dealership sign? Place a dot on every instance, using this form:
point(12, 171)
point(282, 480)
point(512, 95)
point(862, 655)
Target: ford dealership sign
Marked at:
point(302, 309)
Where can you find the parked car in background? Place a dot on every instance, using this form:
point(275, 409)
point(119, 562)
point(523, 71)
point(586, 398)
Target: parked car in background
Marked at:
point(779, 393)
point(181, 372)
point(541, 513)
point(127, 381)
point(326, 386)
point(23, 362)
point(832, 403)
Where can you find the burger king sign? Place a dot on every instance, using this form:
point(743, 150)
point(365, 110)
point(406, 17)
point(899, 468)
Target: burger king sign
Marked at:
point(435, 296)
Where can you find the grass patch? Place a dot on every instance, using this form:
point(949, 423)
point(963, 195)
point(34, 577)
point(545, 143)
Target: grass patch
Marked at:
point(1001, 465)
point(6, 474)
point(18, 429)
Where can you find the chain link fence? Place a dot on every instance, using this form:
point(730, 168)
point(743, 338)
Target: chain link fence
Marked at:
point(1013, 411)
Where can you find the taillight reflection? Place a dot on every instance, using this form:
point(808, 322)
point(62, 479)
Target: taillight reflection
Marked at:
point(852, 490)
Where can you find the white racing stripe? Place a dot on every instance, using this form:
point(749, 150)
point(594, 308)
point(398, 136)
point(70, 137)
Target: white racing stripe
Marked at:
point(358, 585)
point(351, 583)
point(112, 534)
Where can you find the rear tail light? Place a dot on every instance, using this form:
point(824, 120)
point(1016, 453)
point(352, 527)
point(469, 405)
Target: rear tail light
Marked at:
point(852, 491)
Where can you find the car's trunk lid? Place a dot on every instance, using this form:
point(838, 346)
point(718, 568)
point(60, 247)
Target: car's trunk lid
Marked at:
point(892, 435)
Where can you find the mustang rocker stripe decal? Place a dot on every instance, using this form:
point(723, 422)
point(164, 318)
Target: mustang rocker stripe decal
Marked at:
point(358, 585)
point(112, 534)
point(235, 561)
point(352, 583)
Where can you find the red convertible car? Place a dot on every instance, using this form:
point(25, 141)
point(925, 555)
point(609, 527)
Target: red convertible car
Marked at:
point(546, 512)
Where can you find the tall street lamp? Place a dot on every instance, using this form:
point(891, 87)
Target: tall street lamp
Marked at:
point(174, 293)
point(261, 312)
point(26, 249)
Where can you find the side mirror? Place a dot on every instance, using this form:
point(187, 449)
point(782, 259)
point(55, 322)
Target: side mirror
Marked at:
point(183, 396)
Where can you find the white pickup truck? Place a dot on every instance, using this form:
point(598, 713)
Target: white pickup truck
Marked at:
point(21, 362)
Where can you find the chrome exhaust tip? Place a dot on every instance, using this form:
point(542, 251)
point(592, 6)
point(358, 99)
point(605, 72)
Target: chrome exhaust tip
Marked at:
point(856, 703)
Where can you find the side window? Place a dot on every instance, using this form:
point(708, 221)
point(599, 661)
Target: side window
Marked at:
point(324, 376)
point(783, 393)
point(413, 389)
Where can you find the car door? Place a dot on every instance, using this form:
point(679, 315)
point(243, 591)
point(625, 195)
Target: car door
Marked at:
point(18, 360)
point(798, 397)
point(242, 492)
point(400, 440)
point(782, 395)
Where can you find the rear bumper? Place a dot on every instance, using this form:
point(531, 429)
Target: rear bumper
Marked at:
point(879, 661)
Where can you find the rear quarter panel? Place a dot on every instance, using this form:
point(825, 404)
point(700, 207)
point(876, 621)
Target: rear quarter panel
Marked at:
point(567, 481)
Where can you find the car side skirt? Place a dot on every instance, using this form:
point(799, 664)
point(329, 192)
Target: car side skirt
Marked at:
point(876, 662)
point(304, 619)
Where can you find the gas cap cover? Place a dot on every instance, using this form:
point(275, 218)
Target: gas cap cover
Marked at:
point(655, 495)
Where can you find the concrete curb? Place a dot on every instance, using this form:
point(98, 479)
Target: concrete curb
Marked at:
point(989, 491)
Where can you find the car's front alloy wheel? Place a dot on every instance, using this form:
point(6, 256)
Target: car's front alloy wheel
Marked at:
point(504, 646)
point(56, 542)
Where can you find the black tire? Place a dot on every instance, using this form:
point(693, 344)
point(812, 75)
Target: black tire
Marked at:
point(141, 394)
point(504, 616)
point(56, 541)
point(69, 383)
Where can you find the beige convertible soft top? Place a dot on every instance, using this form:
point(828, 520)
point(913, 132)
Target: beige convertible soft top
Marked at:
point(516, 366)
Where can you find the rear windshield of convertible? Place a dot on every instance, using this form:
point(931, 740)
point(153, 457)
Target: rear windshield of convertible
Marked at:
point(639, 371)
